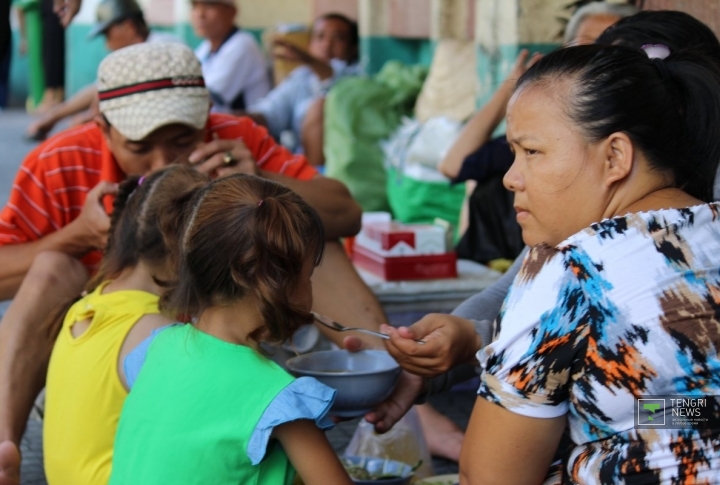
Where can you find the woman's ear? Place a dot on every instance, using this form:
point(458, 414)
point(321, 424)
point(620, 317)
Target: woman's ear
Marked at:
point(619, 157)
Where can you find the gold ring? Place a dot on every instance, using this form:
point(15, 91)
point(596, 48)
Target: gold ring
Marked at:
point(228, 159)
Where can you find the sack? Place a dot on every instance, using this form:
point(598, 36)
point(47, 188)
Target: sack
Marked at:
point(493, 231)
point(405, 443)
point(359, 113)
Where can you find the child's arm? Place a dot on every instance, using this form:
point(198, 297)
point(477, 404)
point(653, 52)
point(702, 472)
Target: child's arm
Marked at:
point(310, 453)
point(137, 335)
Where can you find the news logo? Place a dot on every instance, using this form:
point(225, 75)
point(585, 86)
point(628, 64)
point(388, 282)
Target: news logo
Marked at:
point(651, 412)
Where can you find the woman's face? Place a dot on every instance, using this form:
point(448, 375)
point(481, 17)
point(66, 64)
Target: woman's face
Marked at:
point(557, 176)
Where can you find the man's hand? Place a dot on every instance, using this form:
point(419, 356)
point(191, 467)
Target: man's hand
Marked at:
point(288, 51)
point(523, 62)
point(220, 158)
point(66, 10)
point(408, 389)
point(93, 223)
point(449, 341)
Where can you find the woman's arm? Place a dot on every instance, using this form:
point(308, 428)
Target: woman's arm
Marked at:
point(478, 130)
point(310, 453)
point(503, 447)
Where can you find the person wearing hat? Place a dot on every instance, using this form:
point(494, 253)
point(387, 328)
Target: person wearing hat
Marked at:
point(122, 23)
point(233, 65)
point(153, 112)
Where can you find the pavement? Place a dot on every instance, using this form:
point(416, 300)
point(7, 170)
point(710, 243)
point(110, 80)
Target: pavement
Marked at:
point(456, 405)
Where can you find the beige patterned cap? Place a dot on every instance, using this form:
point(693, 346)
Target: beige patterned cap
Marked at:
point(150, 85)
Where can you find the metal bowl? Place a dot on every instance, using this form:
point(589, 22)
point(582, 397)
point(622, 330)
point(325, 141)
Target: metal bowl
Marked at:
point(397, 473)
point(362, 379)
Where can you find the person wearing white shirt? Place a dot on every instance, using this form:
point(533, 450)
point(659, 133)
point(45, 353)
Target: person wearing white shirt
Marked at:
point(233, 65)
point(296, 104)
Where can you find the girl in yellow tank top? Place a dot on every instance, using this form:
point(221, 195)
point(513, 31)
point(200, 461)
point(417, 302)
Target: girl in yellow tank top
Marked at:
point(86, 385)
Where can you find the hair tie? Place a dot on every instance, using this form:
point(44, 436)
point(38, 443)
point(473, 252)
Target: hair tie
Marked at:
point(656, 51)
point(261, 202)
point(141, 180)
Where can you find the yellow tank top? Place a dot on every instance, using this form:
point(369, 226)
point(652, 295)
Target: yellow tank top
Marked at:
point(84, 394)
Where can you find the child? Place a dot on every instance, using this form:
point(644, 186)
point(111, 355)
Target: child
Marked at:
point(207, 405)
point(86, 385)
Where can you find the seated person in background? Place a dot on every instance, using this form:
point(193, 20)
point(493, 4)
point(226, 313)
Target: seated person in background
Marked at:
point(491, 228)
point(233, 65)
point(296, 104)
point(122, 24)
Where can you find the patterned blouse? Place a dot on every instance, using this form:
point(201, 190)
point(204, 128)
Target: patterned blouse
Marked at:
point(626, 308)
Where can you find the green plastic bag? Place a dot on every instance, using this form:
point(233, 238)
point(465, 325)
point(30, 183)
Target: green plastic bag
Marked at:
point(359, 113)
point(420, 201)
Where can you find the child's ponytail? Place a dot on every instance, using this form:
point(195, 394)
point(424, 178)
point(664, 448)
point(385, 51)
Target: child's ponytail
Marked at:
point(244, 235)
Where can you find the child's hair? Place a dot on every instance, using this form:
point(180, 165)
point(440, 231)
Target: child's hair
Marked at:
point(244, 235)
point(142, 226)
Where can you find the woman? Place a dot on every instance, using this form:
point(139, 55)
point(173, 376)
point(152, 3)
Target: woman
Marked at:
point(615, 157)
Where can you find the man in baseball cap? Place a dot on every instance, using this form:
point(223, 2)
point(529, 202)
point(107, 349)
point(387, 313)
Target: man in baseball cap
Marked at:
point(153, 112)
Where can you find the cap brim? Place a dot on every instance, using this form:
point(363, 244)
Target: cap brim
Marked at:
point(99, 29)
point(136, 116)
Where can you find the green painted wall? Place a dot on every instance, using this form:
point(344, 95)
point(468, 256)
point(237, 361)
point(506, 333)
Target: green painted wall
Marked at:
point(492, 69)
point(375, 51)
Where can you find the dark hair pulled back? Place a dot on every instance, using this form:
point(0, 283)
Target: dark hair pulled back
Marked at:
point(669, 108)
point(677, 30)
point(144, 226)
point(244, 235)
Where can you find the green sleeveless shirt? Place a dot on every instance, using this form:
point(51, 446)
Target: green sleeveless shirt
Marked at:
point(192, 411)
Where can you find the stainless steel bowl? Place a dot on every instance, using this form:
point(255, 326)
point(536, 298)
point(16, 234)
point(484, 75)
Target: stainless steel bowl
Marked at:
point(362, 379)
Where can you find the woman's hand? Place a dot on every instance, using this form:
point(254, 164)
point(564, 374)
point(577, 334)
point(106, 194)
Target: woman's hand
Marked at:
point(449, 341)
point(406, 393)
point(220, 158)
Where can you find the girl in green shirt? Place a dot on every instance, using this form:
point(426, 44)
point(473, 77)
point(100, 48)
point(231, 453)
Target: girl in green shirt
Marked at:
point(207, 406)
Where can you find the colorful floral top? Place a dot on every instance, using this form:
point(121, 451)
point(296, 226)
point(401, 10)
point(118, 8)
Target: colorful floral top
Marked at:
point(626, 308)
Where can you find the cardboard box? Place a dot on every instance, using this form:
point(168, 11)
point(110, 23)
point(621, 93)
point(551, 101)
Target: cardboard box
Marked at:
point(394, 268)
point(397, 239)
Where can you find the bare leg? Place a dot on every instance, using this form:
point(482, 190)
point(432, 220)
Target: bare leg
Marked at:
point(312, 132)
point(444, 438)
point(340, 293)
point(25, 349)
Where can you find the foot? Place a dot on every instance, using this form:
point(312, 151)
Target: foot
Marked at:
point(9, 463)
point(444, 438)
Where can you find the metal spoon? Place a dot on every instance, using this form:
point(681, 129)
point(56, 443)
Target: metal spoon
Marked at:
point(333, 325)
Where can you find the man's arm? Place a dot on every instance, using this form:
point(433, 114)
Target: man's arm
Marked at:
point(340, 214)
point(87, 232)
point(82, 101)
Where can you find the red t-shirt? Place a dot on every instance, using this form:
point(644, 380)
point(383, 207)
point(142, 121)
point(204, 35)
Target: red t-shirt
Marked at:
point(53, 181)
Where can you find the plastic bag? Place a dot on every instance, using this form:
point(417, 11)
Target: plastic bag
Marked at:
point(405, 442)
point(359, 113)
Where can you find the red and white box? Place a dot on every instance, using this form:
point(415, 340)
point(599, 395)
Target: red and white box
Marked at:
point(397, 251)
